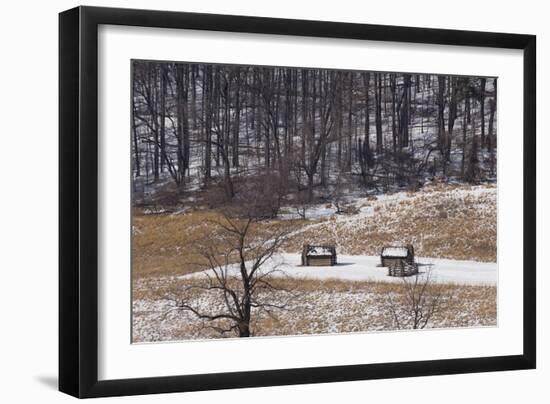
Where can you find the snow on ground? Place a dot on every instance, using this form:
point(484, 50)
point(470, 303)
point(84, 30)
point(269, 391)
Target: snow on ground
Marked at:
point(450, 222)
point(313, 212)
point(366, 268)
point(357, 307)
point(401, 252)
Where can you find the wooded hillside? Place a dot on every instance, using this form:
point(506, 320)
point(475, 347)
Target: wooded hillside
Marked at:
point(296, 134)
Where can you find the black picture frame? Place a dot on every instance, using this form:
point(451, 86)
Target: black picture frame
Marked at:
point(78, 201)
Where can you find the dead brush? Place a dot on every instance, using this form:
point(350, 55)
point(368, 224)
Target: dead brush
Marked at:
point(314, 310)
point(435, 221)
point(442, 226)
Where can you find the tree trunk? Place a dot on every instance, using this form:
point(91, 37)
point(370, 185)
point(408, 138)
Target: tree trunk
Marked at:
point(208, 122)
point(182, 119)
point(134, 130)
point(366, 143)
point(163, 83)
point(405, 108)
point(441, 136)
point(378, 117)
point(464, 128)
point(453, 89)
point(393, 112)
point(350, 119)
point(482, 109)
point(237, 120)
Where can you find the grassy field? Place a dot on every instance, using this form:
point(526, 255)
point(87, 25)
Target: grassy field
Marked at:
point(455, 222)
point(315, 307)
point(441, 222)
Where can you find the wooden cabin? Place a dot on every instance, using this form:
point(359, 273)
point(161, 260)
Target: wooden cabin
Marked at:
point(397, 256)
point(319, 255)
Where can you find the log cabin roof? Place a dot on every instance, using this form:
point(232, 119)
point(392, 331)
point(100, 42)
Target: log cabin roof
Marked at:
point(395, 252)
point(316, 250)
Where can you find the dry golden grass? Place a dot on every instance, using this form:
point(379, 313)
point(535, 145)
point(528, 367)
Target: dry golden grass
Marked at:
point(166, 244)
point(318, 307)
point(161, 244)
point(438, 222)
point(445, 221)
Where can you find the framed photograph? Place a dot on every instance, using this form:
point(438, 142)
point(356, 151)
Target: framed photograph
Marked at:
point(251, 201)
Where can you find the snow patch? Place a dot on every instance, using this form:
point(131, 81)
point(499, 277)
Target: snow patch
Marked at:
point(367, 268)
point(400, 252)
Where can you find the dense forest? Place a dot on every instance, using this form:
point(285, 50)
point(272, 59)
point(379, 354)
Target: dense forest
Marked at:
point(300, 134)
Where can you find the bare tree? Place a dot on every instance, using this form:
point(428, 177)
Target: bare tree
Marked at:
point(339, 193)
point(182, 84)
point(490, 137)
point(201, 123)
point(418, 301)
point(471, 174)
point(261, 195)
point(441, 134)
point(378, 111)
point(483, 83)
point(240, 268)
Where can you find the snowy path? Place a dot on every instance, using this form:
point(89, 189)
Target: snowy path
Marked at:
point(365, 268)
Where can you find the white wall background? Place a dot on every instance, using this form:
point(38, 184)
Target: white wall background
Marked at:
point(28, 201)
